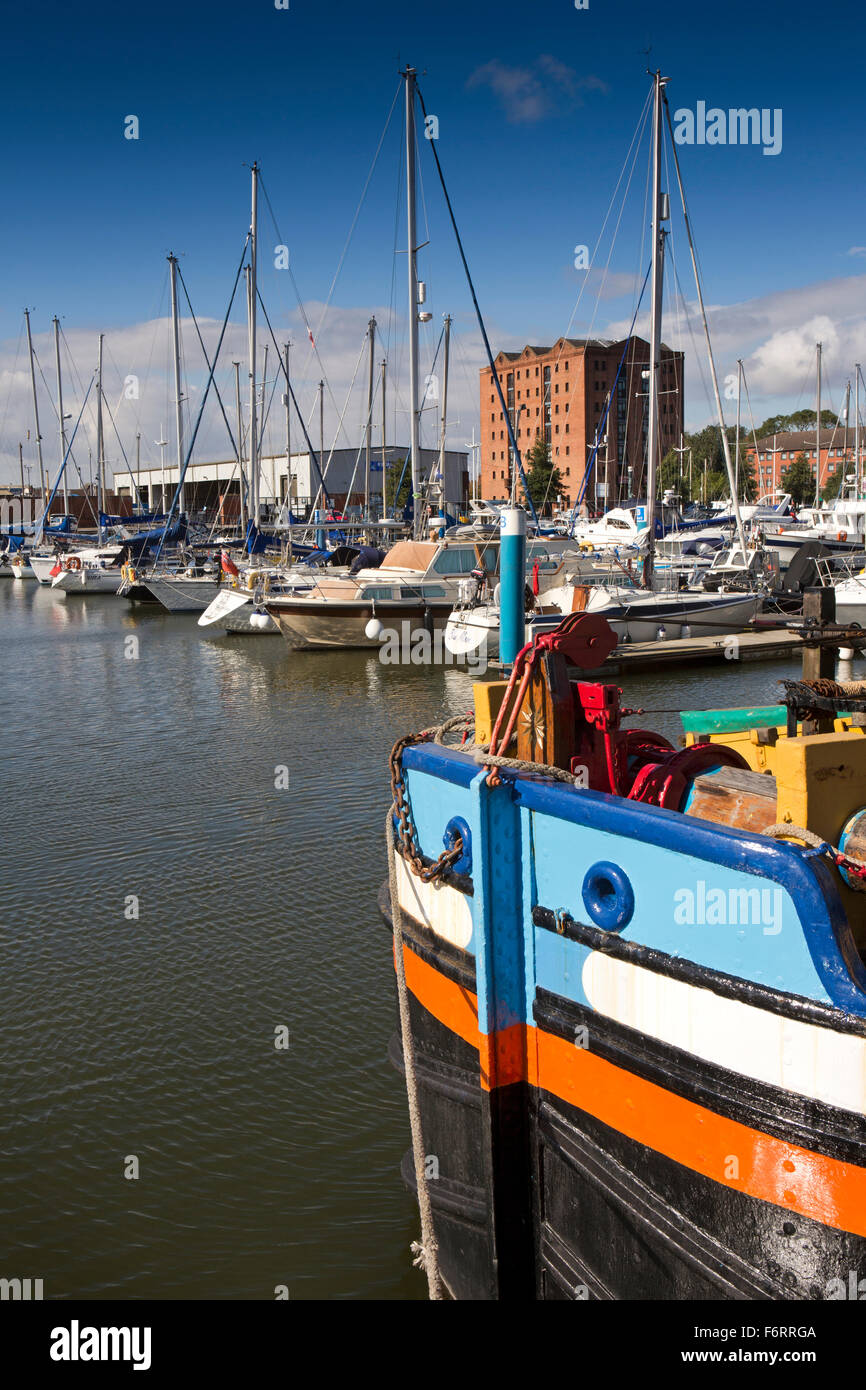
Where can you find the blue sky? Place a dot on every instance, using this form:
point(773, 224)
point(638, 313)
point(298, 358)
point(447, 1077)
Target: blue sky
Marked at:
point(537, 106)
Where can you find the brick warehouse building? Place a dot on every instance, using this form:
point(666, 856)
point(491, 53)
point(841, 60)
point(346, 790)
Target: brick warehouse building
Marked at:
point(563, 390)
point(776, 453)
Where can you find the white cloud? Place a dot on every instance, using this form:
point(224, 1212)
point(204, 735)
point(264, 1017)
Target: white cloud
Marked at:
point(144, 351)
point(530, 93)
point(775, 335)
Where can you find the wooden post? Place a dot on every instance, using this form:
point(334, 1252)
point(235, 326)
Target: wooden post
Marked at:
point(819, 605)
point(819, 662)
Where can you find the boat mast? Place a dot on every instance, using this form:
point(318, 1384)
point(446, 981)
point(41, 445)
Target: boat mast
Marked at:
point(414, 420)
point(659, 214)
point(138, 465)
point(100, 456)
point(371, 335)
point(473, 464)
point(241, 491)
point(737, 444)
point(818, 434)
point(720, 414)
point(384, 450)
point(856, 430)
point(252, 290)
point(444, 415)
point(846, 417)
point(56, 322)
point(288, 403)
point(161, 444)
point(44, 497)
point(262, 418)
point(178, 398)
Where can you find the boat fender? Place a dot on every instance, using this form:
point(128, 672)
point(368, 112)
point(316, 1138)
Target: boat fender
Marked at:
point(852, 841)
point(608, 896)
point(455, 828)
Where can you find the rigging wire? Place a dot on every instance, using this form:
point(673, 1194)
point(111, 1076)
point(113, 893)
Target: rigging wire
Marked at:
point(314, 345)
point(591, 463)
point(631, 155)
point(191, 446)
point(314, 457)
point(490, 357)
point(205, 356)
point(322, 473)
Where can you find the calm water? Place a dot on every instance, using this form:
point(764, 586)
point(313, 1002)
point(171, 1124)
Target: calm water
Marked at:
point(155, 778)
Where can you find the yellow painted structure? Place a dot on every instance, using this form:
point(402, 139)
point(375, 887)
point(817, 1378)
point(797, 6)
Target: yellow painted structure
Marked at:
point(761, 756)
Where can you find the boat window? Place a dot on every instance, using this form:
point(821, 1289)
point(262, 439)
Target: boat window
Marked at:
point(455, 561)
point(379, 592)
point(422, 591)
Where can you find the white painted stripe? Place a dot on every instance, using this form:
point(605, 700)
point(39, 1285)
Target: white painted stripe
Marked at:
point(512, 522)
point(440, 907)
point(799, 1057)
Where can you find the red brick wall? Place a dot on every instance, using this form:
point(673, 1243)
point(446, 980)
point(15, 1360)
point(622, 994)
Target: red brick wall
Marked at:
point(580, 379)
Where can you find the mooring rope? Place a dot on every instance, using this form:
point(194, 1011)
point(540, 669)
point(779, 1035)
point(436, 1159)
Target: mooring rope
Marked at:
point(427, 1252)
point(479, 751)
point(856, 868)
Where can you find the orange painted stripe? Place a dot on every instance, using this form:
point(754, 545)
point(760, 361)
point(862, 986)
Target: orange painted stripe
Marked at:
point(450, 1003)
point(501, 1055)
point(766, 1168)
point(770, 1169)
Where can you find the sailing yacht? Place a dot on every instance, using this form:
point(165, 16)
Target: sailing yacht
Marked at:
point(636, 615)
point(96, 571)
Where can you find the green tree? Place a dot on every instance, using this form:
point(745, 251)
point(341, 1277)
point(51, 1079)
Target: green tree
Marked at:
point(798, 480)
point(797, 420)
point(747, 488)
point(831, 488)
point(543, 480)
point(670, 476)
point(392, 479)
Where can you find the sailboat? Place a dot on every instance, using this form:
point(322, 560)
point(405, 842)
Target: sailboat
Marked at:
point(635, 612)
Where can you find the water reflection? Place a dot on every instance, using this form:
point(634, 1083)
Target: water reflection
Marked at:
point(154, 1035)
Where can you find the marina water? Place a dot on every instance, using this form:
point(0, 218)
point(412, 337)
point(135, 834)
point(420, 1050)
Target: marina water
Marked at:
point(161, 777)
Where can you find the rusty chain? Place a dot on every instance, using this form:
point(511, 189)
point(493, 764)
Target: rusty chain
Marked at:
point(406, 833)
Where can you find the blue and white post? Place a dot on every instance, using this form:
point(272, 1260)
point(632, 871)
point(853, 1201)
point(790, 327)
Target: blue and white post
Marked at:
point(512, 581)
point(321, 536)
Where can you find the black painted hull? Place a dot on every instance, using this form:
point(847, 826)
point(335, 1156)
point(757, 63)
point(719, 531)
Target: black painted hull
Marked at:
point(537, 1198)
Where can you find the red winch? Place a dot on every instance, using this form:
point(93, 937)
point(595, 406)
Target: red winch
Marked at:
point(577, 725)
